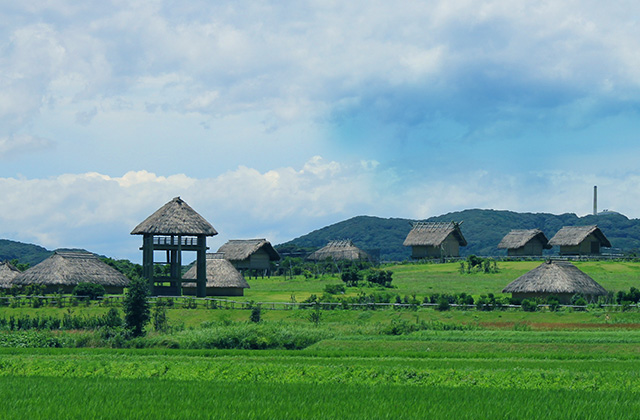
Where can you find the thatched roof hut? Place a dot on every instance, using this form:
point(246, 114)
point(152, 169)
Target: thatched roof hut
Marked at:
point(222, 278)
point(7, 273)
point(249, 254)
point(66, 269)
point(435, 239)
point(554, 278)
point(175, 218)
point(339, 250)
point(520, 242)
point(580, 240)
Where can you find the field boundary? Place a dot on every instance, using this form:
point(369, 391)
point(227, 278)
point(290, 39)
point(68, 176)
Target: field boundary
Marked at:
point(191, 302)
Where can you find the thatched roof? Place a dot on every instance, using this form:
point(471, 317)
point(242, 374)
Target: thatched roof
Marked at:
point(241, 249)
point(555, 277)
point(574, 235)
point(220, 273)
point(7, 273)
point(68, 268)
point(518, 238)
point(339, 250)
point(175, 218)
point(433, 234)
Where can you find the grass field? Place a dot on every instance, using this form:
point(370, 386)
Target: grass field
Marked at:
point(427, 279)
point(354, 364)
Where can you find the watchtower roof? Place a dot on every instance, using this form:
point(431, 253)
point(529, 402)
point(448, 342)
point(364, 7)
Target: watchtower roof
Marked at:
point(175, 218)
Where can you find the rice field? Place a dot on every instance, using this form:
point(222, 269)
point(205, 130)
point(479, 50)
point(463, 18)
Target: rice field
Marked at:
point(352, 364)
point(442, 374)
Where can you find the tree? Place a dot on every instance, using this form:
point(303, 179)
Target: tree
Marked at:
point(380, 277)
point(137, 307)
point(256, 314)
point(20, 266)
point(351, 276)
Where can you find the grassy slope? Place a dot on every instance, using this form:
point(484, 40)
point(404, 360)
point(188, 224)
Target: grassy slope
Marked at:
point(426, 279)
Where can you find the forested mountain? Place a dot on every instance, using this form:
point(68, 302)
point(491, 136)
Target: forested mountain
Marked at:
point(25, 253)
point(483, 230)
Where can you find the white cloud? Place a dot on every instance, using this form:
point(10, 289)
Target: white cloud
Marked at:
point(204, 99)
point(97, 212)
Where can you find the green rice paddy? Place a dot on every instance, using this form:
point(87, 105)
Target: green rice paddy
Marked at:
point(458, 365)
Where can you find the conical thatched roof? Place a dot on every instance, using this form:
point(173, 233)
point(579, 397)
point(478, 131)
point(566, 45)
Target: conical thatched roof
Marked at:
point(339, 250)
point(433, 234)
point(220, 273)
point(518, 238)
point(555, 277)
point(241, 249)
point(7, 273)
point(574, 235)
point(68, 268)
point(175, 218)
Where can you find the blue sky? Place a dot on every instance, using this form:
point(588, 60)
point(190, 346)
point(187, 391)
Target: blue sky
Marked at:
point(273, 119)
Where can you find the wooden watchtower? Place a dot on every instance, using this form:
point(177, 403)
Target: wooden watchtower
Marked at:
point(174, 228)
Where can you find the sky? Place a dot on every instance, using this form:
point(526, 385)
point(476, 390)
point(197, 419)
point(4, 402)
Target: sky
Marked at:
point(274, 119)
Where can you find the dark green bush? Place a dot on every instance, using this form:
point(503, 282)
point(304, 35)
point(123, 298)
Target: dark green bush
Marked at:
point(554, 303)
point(529, 305)
point(352, 276)
point(380, 277)
point(92, 290)
point(334, 289)
point(256, 314)
point(443, 304)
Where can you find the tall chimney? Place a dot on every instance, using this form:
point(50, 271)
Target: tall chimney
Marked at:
point(595, 200)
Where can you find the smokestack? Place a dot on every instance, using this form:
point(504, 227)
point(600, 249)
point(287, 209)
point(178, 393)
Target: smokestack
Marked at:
point(595, 200)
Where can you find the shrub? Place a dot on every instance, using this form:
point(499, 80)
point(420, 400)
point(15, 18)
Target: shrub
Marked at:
point(351, 276)
point(380, 277)
point(334, 289)
point(464, 299)
point(92, 290)
point(529, 305)
point(256, 314)
point(113, 318)
point(483, 303)
point(34, 290)
point(315, 316)
point(554, 303)
point(160, 321)
point(580, 301)
point(443, 304)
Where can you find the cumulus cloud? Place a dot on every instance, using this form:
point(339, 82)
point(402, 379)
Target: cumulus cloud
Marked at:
point(455, 56)
point(96, 210)
point(418, 108)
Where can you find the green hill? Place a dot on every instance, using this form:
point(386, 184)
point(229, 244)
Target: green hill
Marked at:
point(25, 253)
point(483, 230)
